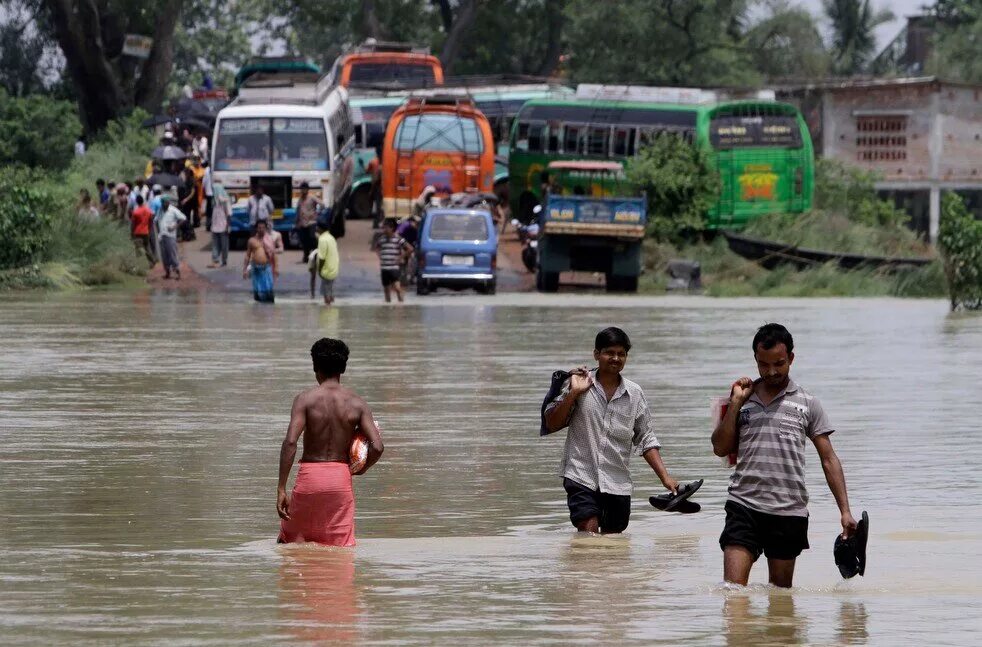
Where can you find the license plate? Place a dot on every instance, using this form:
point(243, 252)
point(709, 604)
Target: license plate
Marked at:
point(450, 259)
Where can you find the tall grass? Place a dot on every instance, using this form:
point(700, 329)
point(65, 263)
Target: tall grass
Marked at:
point(79, 252)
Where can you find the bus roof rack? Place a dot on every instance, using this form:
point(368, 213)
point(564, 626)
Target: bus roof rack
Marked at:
point(370, 46)
point(585, 165)
point(302, 88)
point(645, 94)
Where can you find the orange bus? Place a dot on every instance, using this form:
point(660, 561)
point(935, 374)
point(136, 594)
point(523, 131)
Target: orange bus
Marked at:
point(444, 142)
point(387, 64)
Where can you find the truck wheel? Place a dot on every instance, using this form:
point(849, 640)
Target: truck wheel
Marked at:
point(547, 281)
point(422, 287)
point(360, 205)
point(488, 287)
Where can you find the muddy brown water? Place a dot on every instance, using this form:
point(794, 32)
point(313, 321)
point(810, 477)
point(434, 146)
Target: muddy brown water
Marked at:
point(139, 436)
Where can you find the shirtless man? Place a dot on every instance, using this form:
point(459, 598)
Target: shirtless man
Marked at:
point(262, 260)
point(321, 507)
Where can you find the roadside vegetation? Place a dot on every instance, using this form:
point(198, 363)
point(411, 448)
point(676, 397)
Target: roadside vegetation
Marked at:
point(46, 244)
point(848, 217)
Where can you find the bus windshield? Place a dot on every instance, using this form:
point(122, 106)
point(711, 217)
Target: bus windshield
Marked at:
point(451, 226)
point(299, 144)
point(439, 132)
point(296, 144)
point(765, 131)
point(368, 73)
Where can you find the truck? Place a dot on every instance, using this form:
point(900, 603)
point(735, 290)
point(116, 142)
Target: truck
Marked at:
point(590, 223)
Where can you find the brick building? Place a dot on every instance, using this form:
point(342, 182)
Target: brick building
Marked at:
point(921, 136)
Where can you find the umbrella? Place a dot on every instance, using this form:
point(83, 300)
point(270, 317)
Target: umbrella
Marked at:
point(166, 180)
point(167, 153)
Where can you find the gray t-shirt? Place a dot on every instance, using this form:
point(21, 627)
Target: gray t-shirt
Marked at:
point(770, 470)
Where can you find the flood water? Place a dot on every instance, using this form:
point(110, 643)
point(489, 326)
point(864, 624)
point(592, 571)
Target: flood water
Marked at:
point(139, 437)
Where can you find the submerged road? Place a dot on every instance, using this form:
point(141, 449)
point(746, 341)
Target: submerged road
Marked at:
point(359, 266)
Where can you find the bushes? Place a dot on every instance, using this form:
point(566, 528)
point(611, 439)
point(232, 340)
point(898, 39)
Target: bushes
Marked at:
point(37, 131)
point(849, 191)
point(26, 214)
point(960, 241)
point(680, 185)
point(45, 243)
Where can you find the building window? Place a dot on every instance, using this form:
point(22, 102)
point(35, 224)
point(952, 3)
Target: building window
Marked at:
point(881, 138)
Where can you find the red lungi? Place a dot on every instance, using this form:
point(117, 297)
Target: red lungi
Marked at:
point(322, 506)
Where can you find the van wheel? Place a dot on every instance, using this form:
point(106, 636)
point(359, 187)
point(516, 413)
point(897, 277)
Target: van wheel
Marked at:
point(422, 287)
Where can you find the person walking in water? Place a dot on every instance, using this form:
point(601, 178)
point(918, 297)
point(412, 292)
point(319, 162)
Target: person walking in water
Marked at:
point(607, 416)
point(321, 507)
point(766, 425)
point(392, 252)
point(168, 221)
point(328, 262)
point(260, 261)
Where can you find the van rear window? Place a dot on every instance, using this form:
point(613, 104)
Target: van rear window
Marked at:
point(452, 226)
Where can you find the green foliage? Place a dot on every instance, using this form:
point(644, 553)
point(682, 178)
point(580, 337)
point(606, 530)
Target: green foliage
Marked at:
point(843, 189)
point(680, 185)
point(960, 241)
point(26, 217)
point(957, 40)
point(656, 42)
point(45, 243)
point(23, 50)
point(854, 24)
point(37, 131)
point(786, 43)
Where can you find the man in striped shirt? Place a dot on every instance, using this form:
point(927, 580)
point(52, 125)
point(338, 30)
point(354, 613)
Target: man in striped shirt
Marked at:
point(766, 425)
point(392, 253)
point(607, 416)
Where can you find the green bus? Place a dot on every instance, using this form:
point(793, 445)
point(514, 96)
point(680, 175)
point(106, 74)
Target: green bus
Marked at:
point(499, 98)
point(761, 149)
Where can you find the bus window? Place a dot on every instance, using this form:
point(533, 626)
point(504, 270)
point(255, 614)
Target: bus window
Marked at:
point(299, 145)
point(522, 137)
point(536, 137)
point(439, 132)
point(571, 139)
point(552, 142)
point(623, 142)
point(367, 73)
point(598, 140)
point(242, 145)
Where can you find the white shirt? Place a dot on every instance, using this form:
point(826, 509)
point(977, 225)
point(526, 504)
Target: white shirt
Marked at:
point(207, 184)
point(168, 220)
point(260, 209)
point(602, 433)
point(79, 148)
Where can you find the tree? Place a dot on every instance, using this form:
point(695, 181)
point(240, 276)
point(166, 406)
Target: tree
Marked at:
point(786, 43)
point(660, 42)
point(216, 37)
point(23, 50)
point(957, 40)
point(853, 39)
point(91, 34)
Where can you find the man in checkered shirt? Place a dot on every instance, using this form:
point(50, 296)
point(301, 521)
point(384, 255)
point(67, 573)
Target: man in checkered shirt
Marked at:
point(607, 415)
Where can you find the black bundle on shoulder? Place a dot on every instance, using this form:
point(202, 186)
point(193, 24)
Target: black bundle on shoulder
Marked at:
point(558, 379)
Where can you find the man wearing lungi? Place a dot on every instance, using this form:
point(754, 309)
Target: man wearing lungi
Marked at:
point(321, 507)
point(260, 260)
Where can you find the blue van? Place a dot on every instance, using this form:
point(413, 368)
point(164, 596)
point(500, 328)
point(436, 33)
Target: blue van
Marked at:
point(458, 248)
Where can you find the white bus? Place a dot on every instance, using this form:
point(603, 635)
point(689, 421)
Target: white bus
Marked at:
point(278, 133)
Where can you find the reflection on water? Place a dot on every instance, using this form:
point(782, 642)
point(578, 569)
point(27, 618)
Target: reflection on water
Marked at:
point(139, 438)
point(319, 598)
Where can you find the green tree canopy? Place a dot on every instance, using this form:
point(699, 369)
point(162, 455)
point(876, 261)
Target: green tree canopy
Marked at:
point(854, 23)
point(37, 131)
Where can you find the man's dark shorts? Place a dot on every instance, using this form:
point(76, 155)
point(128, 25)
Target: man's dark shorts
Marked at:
point(776, 536)
point(389, 277)
point(611, 510)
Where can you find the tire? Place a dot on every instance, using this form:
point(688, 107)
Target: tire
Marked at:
point(622, 283)
point(547, 281)
point(360, 205)
point(530, 258)
point(491, 286)
point(422, 287)
point(237, 242)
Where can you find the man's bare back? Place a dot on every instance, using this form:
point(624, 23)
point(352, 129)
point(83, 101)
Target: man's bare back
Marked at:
point(333, 414)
